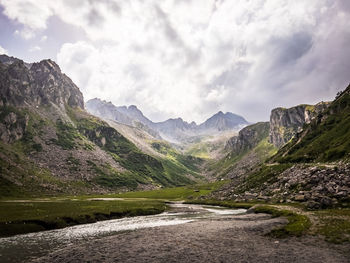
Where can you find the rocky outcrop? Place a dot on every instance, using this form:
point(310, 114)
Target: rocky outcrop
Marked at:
point(12, 126)
point(315, 186)
point(248, 138)
point(285, 123)
point(36, 84)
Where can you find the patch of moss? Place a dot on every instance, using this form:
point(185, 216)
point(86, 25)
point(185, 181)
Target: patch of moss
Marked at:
point(297, 224)
point(334, 225)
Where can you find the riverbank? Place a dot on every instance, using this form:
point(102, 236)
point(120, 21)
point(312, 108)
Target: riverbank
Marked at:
point(235, 238)
point(33, 215)
point(331, 225)
point(19, 216)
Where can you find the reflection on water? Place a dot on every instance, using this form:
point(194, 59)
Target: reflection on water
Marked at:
point(23, 247)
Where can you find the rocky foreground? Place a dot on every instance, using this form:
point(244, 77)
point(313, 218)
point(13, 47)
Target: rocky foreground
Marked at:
point(315, 186)
point(222, 239)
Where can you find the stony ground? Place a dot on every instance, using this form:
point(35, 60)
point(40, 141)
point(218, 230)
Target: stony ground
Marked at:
point(221, 239)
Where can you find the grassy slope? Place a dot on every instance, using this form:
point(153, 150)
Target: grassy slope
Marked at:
point(323, 141)
point(18, 175)
point(262, 151)
point(21, 177)
point(144, 168)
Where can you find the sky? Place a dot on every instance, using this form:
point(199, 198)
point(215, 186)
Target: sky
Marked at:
point(188, 58)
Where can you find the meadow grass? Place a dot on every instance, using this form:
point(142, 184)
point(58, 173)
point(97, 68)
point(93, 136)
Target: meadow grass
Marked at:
point(37, 215)
point(175, 193)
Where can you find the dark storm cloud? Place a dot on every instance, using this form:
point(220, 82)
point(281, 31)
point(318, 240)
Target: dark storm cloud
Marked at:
point(290, 49)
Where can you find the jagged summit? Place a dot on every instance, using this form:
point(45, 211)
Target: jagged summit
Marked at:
point(38, 84)
point(223, 121)
point(50, 144)
point(173, 129)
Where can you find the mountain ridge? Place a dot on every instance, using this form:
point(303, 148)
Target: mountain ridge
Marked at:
point(49, 144)
point(173, 129)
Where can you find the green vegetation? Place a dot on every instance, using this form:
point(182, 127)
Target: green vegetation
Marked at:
point(66, 135)
point(334, 224)
point(224, 165)
point(200, 150)
point(323, 141)
point(38, 215)
point(142, 168)
point(26, 121)
point(182, 164)
point(176, 193)
point(297, 224)
point(15, 165)
point(264, 149)
point(23, 216)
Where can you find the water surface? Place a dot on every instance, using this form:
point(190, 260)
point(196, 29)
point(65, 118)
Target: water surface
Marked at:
point(21, 248)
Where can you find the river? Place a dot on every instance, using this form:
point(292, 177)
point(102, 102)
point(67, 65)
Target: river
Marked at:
point(22, 248)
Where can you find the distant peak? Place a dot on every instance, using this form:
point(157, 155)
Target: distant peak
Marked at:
point(46, 63)
point(132, 107)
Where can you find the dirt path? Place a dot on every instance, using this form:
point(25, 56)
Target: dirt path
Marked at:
point(222, 239)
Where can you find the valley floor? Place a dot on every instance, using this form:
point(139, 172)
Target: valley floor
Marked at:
point(237, 238)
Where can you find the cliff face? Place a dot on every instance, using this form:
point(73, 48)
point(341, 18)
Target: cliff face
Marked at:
point(285, 123)
point(36, 84)
point(312, 168)
point(248, 137)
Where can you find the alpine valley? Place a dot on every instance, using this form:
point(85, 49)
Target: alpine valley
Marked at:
point(52, 142)
point(59, 155)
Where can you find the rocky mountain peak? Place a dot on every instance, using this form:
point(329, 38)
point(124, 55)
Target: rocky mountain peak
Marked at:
point(285, 123)
point(133, 107)
point(46, 65)
point(36, 84)
point(223, 122)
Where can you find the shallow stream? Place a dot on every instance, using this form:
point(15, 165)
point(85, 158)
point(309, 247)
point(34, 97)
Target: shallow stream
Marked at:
point(22, 248)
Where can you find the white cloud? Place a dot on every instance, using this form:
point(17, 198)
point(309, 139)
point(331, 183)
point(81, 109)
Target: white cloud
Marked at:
point(192, 58)
point(43, 38)
point(3, 51)
point(34, 49)
point(25, 33)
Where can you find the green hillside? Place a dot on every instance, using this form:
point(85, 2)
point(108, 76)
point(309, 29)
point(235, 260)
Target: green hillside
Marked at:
point(325, 139)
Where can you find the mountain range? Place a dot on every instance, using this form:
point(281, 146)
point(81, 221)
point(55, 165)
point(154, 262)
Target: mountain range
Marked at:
point(173, 130)
point(50, 144)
